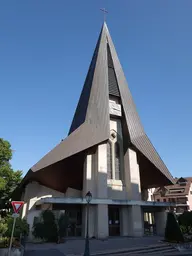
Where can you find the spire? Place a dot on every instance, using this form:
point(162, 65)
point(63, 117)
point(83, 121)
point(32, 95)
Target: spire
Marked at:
point(90, 125)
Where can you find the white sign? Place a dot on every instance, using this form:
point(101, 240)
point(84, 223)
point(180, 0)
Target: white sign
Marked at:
point(15, 215)
point(114, 108)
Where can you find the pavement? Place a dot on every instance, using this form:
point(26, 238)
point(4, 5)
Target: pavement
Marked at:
point(117, 246)
point(76, 246)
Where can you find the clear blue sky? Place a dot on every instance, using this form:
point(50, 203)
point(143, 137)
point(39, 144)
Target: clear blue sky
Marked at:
point(45, 50)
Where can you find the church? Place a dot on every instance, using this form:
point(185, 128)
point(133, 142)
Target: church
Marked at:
point(106, 152)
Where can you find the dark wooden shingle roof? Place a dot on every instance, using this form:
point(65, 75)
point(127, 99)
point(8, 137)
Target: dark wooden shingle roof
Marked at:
point(90, 125)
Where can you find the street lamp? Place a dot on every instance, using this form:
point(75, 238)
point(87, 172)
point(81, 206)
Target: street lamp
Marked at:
point(88, 198)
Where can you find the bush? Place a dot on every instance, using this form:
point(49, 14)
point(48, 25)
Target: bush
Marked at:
point(63, 225)
point(38, 230)
point(185, 221)
point(46, 228)
point(21, 227)
point(4, 242)
point(172, 231)
point(3, 226)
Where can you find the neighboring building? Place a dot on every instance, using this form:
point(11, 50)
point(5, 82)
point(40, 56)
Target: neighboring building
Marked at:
point(106, 152)
point(180, 193)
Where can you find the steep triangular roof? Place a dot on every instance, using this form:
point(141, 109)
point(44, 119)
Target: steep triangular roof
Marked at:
point(90, 125)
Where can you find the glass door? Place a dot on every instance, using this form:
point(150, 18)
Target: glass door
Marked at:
point(114, 221)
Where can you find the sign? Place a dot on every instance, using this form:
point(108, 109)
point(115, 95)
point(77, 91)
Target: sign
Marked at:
point(15, 215)
point(114, 108)
point(17, 205)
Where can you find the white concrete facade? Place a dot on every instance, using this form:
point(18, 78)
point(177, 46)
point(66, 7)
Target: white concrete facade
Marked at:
point(95, 179)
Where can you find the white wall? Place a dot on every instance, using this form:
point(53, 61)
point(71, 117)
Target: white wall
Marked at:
point(190, 198)
point(34, 192)
point(150, 194)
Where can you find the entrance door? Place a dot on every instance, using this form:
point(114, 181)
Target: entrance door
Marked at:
point(75, 219)
point(114, 221)
point(149, 223)
point(74, 213)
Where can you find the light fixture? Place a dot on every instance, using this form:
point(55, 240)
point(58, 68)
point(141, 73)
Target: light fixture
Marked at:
point(88, 197)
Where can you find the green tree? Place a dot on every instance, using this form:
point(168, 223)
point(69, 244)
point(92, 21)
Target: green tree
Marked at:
point(9, 179)
point(172, 231)
point(185, 221)
point(63, 224)
point(46, 227)
point(21, 227)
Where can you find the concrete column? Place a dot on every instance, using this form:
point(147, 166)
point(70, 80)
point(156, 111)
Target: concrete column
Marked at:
point(135, 221)
point(92, 221)
point(89, 175)
point(132, 175)
point(89, 184)
point(124, 221)
point(102, 221)
point(102, 171)
point(160, 220)
point(102, 192)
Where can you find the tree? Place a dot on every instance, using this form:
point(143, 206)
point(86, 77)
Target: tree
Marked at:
point(21, 227)
point(63, 224)
point(9, 179)
point(185, 221)
point(172, 231)
point(46, 227)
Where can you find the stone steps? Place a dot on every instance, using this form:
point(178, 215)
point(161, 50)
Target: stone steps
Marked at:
point(157, 249)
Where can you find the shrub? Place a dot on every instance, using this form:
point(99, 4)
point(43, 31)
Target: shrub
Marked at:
point(46, 227)
point(185, 221)
point(38, 230)
point(172, 230)
point(21, 227)
point(3, 226)
point(4, 242)
point(63, 223)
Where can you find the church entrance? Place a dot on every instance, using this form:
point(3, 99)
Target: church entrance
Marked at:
point(149, 223)
point(114, 220)
point(74, 214)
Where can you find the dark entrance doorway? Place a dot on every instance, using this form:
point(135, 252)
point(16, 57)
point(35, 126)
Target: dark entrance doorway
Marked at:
point(74, 213)
point(114, 221)
point(149, 223)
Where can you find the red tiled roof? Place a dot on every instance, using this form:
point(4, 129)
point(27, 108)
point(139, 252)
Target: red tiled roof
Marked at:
point(177, 186)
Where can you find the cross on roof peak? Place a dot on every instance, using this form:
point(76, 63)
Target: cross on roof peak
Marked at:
point(104, 13)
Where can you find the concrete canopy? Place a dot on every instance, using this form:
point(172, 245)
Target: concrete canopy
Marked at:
point(90, 125)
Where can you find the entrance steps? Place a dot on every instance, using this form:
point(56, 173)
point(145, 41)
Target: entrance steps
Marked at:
point(156, 250)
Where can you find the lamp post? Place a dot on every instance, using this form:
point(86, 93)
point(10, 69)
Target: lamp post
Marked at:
point(88, 198)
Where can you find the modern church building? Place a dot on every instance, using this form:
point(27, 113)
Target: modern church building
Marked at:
point(106, 152)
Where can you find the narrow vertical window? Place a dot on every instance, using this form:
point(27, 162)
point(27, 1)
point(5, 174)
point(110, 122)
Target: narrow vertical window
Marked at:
point(117, 161)
point(109, 160)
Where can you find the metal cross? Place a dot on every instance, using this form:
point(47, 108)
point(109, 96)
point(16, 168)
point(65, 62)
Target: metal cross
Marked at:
point(104, 13)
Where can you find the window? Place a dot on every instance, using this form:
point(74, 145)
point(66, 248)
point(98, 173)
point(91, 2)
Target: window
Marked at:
point(172, 191)
point(158, 200)
point(164, 200)
point(109, 160)
point(117, 161)
point(114, 149)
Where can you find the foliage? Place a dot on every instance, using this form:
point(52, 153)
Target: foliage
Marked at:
point(172, 231)
point(38, 230)
point(46, 228)
point(63, 224)
point(3, 226)
point(4, 242)
point(9, 179)
point(21, 227)
point(50, 226)
point(185, 221)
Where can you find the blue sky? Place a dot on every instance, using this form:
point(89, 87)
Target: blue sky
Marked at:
point(45, 50)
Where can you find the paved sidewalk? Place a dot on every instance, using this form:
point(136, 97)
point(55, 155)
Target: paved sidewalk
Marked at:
point(76, 247)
